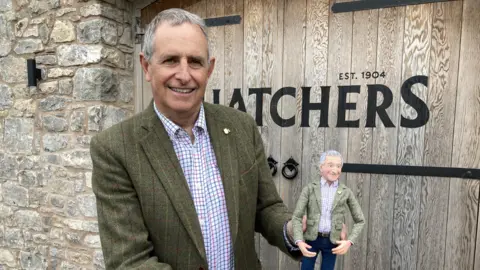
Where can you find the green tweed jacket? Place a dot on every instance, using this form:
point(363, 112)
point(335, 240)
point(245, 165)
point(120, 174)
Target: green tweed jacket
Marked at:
point(310, 202)
point(146, 216)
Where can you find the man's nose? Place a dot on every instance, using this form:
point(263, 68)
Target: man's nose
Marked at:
point(183, 73)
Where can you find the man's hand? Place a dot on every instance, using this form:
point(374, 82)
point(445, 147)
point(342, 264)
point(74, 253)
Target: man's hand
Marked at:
point(342, 248)
point(304, 249)
point(290, 228)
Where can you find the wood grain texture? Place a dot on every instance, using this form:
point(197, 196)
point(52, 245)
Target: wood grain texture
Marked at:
point(364, 58)
point(293, 76)
point(463, 219)
point(316, 61)
point(252, 64)
point(384, 148)
point(339, 60)
point(272, 49)
point(198, 7)
point(233, 52)
point(216, 36)
point(410, 148)
point(442, 87)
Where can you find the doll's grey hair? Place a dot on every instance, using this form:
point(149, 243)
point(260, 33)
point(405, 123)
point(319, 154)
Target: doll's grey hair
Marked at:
point(330, 153)
point(173, 16)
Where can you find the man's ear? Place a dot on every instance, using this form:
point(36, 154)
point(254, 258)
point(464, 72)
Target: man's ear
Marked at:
point(211, 65)
point(145, 65)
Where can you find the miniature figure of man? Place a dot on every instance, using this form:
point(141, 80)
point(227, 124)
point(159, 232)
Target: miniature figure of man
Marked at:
point(325, 203)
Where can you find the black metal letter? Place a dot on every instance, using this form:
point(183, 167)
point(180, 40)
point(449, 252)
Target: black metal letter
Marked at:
point(322, 106)
point(237, 97)
point(274, 110)
point(259, 102)
point(381, 110)
point(411, 99)
point(343, 105)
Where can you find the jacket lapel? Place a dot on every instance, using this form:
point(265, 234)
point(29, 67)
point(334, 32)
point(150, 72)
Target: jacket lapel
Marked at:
point(338, 194)
point(164, 161)
point(222, 136)
point(318, 195)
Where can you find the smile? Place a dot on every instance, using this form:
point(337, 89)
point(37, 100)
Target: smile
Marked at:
point(182, 90)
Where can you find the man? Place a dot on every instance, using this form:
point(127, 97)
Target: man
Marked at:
point(185, 184)
point(326, 202)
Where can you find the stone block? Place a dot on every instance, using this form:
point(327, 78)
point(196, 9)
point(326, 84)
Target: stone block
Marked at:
point(18, 135)
point(96, 31)
point(53, 103)
point(63, 31)
point(13, 69)
point(87, 205)
point(6, 97)
point(74, 55)
point(25, 46)
point(55, 142)
point(95, 84)
point(54, 123)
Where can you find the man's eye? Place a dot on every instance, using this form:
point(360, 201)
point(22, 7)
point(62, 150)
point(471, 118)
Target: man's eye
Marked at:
point(196, 63)
point(169, 61)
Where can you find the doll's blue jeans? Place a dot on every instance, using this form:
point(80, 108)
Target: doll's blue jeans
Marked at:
point(323, 246)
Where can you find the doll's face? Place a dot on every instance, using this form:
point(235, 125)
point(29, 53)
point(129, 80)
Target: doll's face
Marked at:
point(331, 168)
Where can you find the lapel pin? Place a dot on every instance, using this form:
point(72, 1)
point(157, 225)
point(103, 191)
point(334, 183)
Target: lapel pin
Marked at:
point(226, 130)
point(339, 192)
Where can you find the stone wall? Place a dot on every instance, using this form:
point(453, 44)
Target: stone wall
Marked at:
point(47, 208)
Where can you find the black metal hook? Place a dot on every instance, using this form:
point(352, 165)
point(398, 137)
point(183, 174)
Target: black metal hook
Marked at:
point(291, 165)
point(272, 163)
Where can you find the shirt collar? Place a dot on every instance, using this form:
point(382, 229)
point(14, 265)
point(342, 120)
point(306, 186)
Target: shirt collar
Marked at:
point(324, 183)
point(173, 129)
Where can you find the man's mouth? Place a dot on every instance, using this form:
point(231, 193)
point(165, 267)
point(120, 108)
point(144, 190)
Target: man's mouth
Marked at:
point(182, 90)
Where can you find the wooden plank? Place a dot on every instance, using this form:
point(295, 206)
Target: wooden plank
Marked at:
point(418, 28)
point(339, 61)
point(149, 12)
point(442, 87)
point(199, 8)
point(233, 52)
point(252, 67)
point(293, 76)
point(271, 76)
point(384, 149)
point(315, 77)
point(216, 36)
point(463, 205)
point(364, 58)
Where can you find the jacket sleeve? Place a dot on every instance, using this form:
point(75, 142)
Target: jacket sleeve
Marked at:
point(123, 234)
point(271, 212)
point(297, 217)
point(357, 215)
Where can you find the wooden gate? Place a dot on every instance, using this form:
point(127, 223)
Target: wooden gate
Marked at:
point(413, 222)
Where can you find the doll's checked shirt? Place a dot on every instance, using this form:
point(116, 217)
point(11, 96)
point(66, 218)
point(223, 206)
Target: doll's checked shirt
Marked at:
point(328, 195)
point(200, 169)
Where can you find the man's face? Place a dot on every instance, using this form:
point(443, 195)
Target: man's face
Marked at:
point(331, 168)
point(179, 69)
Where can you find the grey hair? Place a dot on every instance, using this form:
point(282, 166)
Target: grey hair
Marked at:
point(330, 153)
point(173, 16)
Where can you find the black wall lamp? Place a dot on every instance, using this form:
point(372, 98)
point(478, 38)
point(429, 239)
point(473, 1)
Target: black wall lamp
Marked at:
point(33, 72)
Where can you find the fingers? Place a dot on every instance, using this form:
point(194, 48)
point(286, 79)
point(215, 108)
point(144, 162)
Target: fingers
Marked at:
point(307, 253)
point(304, 249)
point(341, 249)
